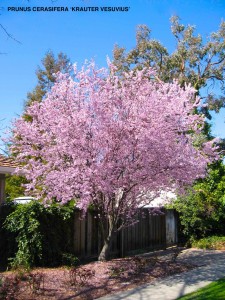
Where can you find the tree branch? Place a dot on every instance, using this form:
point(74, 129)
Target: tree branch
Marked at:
point(9, 35)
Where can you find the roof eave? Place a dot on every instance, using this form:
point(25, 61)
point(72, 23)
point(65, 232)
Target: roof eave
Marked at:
point(6, 170)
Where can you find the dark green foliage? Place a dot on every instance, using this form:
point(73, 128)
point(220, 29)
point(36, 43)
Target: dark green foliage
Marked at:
point(24, 222)
point(35, 235)
point(70, 260)
point(7, 239)
point(56, 226)
point(202, 210)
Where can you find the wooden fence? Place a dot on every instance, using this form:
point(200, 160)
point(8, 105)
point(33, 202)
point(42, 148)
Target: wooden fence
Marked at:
point(151, 232)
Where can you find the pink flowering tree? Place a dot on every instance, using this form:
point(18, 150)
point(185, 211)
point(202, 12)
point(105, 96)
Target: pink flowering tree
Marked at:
point(107, 142)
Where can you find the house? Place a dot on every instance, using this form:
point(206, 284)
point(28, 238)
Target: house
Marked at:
point(7, 166)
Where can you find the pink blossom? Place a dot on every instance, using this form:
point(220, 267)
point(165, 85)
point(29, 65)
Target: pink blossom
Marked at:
point(104, 141)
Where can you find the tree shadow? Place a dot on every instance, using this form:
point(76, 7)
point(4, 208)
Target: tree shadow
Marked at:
point(211, 267)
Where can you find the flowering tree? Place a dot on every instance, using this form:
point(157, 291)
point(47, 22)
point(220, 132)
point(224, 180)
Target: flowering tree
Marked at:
point(106, 142)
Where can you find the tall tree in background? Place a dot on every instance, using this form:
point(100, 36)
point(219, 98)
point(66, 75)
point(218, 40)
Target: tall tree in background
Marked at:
point(51, 65)
point(193, 61)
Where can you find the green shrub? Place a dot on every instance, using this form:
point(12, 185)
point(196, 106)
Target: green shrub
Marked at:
point(70, 260)
point(202, 209)
point(36, 235)
point(213, 242)
point(24, 222)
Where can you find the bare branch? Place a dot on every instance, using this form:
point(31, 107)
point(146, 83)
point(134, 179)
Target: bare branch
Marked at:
point(10, 36)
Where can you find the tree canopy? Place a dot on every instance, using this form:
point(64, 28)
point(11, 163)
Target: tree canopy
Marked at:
point(108, 141)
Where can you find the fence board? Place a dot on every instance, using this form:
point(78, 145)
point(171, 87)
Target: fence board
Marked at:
point(149, 233)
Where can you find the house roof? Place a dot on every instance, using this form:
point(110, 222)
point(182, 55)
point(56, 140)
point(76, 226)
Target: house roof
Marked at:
point(7, 165)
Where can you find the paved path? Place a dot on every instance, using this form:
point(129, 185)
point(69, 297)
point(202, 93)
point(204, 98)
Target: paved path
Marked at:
point(211, 266)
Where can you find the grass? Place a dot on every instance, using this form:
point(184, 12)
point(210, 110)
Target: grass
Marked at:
point(213, 291)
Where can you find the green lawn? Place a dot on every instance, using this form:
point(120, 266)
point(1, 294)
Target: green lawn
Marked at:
point(213, 291)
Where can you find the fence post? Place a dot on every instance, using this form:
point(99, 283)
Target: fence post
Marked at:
point(171, 227)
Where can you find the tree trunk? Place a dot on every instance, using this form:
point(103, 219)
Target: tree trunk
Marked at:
point(105, 252)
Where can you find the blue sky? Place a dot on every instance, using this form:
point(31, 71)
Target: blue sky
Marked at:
point(86, 35)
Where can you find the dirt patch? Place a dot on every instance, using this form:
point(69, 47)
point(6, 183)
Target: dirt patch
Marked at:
point(92, 280)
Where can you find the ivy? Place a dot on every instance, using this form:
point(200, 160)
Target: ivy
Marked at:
point(24, 222)
point(42, 234)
